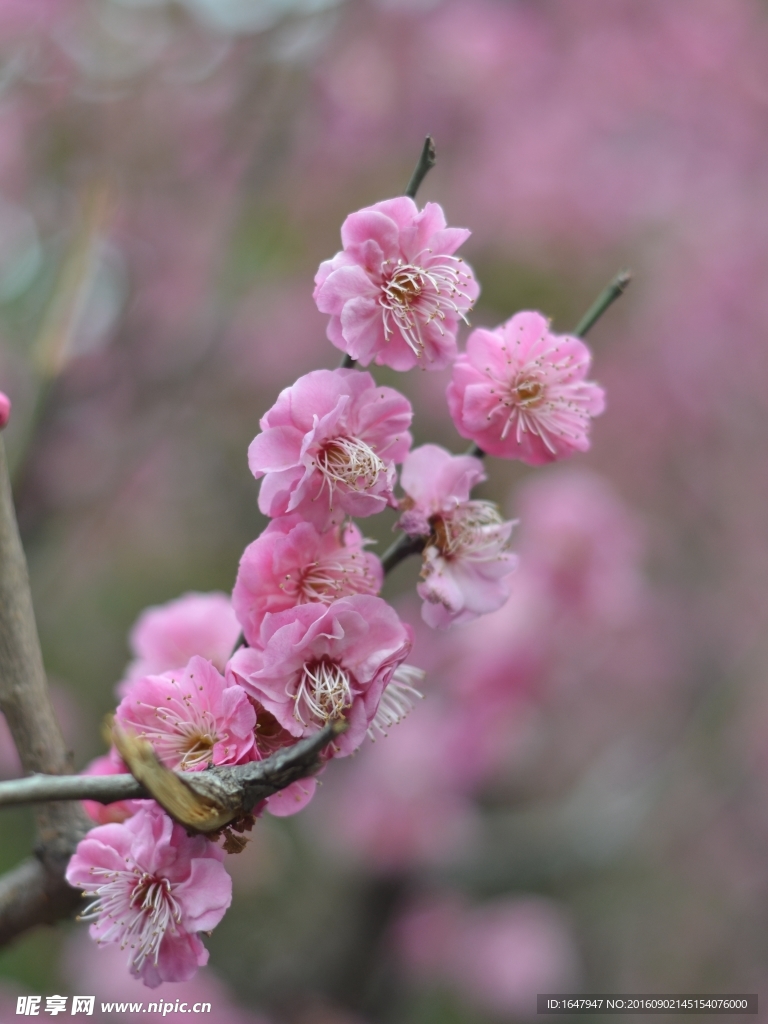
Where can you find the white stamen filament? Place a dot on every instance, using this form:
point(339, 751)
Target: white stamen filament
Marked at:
point(187, 736)
point(142, 908)
point(348, 461)
point(542, 400)
point(474, 530)
point(324, 692)
point(326, 581)
point(412, 296)
point(397, 700)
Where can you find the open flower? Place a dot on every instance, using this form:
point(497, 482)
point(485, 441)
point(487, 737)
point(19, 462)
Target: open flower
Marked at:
point(328, 447)
point(154, 888)
point(291, 563)
point(397, 292)
point(192, 718)
point(466, 556)
point(519, 392)
point(269, 737)
point(321, 663)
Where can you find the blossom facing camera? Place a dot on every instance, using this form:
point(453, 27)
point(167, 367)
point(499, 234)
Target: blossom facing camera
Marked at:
point(466, 556)
point(291, 563)
point(328, 447)
point(396, 292)
point(153, 888)
point(520, 391)
point(320, 664)
point(192, 718)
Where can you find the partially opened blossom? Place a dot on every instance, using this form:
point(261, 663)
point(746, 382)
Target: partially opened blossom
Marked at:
point(520, 391)
point(154, 888)
point(328, 447)
point(291, 563)
point(321, 663)
point(466, 556)
point(435, 483)
point(166, 636)
point(397, 292)
point(5, 409)
point(192, 718)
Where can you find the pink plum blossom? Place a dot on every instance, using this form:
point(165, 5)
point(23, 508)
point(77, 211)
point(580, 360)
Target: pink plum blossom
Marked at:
point(192, 718)
point(519, 391)
point(291, 563)
point(396, 293)
point(154, 889)
point(328, 447)
point(5, 409)
point(166, 636)
point(269, 737)
point(467, 555)
point(321, 663)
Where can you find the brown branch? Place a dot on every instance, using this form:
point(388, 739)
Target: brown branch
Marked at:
point(231, 787)
point(36, 891)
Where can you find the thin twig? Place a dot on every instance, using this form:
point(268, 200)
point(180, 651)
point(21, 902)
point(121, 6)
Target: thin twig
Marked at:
point(605, 299)
point(398, 551)
point(427, 161)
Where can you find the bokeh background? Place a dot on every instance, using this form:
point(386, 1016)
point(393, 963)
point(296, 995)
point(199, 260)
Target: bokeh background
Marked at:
point(581, 802)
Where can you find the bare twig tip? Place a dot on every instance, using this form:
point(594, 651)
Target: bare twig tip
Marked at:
point(427, 160)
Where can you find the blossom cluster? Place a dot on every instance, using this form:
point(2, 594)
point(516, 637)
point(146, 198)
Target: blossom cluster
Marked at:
point(305, 638)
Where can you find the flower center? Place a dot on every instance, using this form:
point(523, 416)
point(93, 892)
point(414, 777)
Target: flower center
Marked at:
point(405, 285)
point(349, 461)
point(328, 580)
point(413, 296)
point(185, 735)
point(528, 392)
point(324, 692)
point(473, 530)
point(141, 908)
